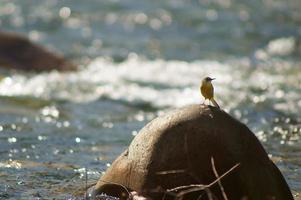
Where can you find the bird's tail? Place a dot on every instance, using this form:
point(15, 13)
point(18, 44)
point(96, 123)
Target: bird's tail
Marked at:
point(214, 102)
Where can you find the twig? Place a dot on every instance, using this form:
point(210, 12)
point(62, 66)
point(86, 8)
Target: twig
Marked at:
point(201, 195)
point(199, 187)
point(209, 194)
point(226, 173)
point(171, 172)
point(219, 182)
point(185, 187)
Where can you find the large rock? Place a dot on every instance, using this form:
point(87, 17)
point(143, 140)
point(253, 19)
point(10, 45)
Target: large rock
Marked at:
point(17, 52)
point(181, 144)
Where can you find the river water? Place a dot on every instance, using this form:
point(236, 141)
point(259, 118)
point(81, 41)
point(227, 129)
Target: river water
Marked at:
point(139, 59)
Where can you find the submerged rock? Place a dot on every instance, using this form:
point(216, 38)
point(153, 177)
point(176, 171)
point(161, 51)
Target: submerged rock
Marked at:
point(176, 150)
point(18, 52)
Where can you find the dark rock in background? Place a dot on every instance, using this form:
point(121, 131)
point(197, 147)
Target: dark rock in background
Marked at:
point(18, 52)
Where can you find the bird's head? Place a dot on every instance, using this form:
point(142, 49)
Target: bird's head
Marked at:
point(208, 79)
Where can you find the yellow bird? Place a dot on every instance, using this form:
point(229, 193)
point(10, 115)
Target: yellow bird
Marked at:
point(207, 90)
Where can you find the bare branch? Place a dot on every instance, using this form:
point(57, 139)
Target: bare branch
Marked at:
point(219, 182)
point(171, 172)
point(199, 187)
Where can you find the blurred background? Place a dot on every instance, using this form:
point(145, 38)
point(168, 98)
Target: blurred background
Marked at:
point(137, 60)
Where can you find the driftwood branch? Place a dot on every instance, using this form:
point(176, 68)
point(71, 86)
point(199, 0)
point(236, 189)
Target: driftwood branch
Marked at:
point(199, 187)
point(219, 182)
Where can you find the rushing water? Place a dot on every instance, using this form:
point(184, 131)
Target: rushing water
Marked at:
point(139, 59)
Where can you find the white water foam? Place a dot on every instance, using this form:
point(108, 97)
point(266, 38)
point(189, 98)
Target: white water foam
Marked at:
point(162, 83)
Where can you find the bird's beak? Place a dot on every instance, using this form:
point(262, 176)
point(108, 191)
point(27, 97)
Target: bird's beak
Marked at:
point(212, 79)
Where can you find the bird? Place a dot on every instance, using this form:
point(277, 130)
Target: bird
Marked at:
point(207, 90)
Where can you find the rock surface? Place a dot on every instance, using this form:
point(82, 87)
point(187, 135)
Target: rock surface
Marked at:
point(18, 52)
point(176, 149)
